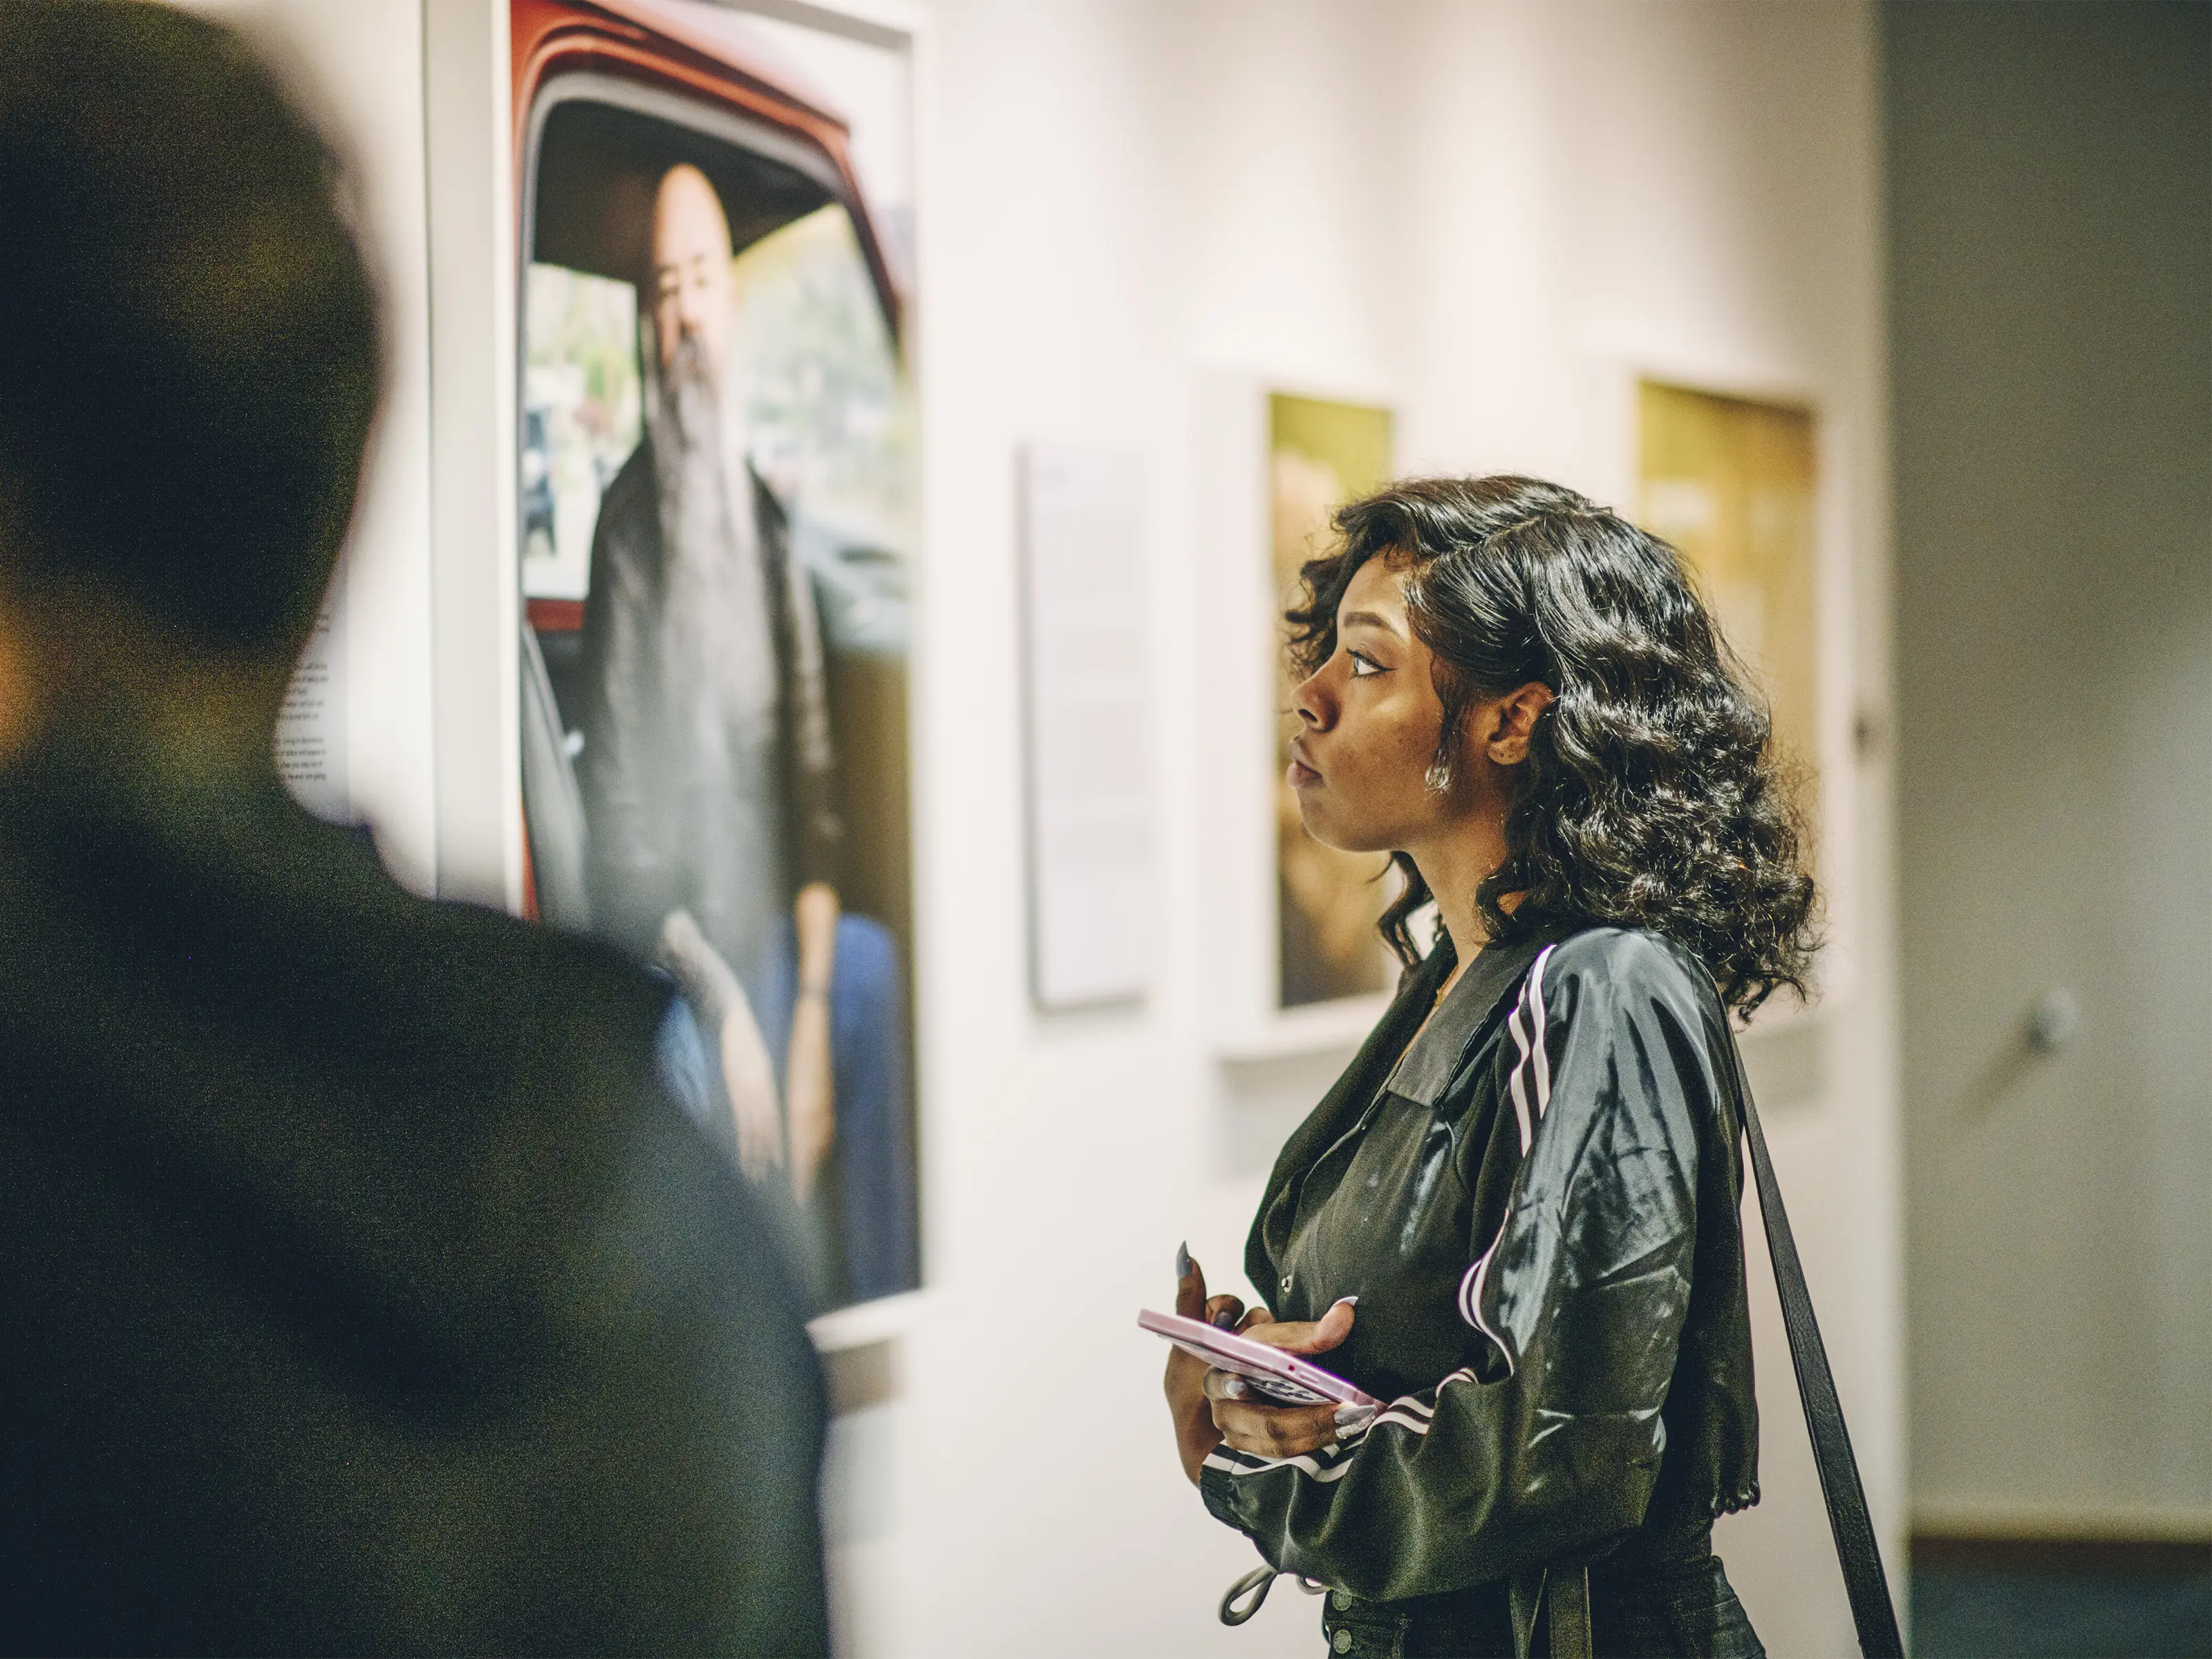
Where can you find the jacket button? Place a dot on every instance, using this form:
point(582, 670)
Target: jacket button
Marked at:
point(1342, 1641)
point(1339, 1600)
point(1287, 1283)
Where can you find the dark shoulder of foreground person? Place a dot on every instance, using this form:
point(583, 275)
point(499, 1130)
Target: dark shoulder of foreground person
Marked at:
point(371, 1293)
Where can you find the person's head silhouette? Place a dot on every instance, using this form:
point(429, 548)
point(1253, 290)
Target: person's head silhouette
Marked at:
point(190, 361)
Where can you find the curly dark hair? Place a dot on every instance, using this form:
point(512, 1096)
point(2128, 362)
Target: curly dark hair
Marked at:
point(1652, 796)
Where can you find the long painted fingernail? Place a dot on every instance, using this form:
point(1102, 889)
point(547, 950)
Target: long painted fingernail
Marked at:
point(1345, 1302)
point(1349, 1420)
point(1182, 1261)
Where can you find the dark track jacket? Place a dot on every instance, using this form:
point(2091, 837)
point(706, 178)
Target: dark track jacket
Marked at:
point(1536, 1205)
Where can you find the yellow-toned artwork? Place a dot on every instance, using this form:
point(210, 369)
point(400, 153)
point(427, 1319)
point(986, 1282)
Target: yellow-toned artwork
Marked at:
point(1320, 454)
point(1731, 483)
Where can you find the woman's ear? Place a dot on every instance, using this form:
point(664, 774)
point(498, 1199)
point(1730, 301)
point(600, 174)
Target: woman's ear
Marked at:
point(1507, 743)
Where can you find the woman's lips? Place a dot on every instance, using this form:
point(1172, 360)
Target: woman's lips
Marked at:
point(1302, 774)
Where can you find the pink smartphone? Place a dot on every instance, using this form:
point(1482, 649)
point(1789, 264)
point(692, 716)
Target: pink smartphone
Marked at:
point(1283, 1378)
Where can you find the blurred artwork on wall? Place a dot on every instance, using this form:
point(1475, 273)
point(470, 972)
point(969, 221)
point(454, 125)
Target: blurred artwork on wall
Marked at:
point(1731, 483)
point(716, 515)
point(1320, 454)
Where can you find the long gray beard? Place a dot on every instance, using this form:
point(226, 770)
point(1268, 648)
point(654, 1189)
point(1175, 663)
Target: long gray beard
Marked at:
point(720, 687)
point(714, 624)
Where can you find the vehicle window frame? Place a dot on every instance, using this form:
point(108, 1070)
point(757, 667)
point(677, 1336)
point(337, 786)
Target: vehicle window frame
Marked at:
point(751, 133)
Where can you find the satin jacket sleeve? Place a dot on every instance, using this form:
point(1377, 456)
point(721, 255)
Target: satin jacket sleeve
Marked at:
point(1545, 1446)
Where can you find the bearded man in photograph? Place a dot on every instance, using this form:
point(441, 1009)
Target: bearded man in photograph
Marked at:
point(708, 782)
point(706, 771)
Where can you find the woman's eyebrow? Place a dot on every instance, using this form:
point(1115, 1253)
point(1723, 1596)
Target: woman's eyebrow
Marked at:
point(1373, 619)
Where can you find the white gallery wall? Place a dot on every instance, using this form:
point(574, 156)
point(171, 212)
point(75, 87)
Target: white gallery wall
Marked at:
point(360, 66)
point(2051, 219)
point(1492, 214)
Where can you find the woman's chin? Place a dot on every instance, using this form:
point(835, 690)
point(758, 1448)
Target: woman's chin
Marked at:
point(1336, 837)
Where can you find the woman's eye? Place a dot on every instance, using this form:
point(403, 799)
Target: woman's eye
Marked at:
point(1362, 667)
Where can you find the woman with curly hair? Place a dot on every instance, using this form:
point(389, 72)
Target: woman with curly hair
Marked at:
point(1514, 1218)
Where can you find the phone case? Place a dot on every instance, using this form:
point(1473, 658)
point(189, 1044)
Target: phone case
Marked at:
point(1285, 1378)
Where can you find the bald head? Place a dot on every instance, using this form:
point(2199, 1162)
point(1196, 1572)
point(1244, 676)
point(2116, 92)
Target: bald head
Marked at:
point(692, 289)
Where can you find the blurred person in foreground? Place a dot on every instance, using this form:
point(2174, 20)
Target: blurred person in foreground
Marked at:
point(352, 1301)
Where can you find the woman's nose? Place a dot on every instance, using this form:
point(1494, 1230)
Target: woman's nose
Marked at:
point(1311, 701)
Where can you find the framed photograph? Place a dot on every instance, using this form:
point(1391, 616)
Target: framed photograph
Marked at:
point(1321, 453)
point(1733, 482)
point(715, 514)
point(1296, 963)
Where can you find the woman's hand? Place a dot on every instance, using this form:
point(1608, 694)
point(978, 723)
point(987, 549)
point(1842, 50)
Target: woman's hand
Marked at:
point(1242, 1417)
point(1196, 1434)
point(1209, 1406)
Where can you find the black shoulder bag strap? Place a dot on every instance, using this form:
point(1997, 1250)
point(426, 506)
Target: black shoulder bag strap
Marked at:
point(1863, 1578)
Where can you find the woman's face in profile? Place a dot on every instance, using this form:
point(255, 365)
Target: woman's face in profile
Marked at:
point(1369, 719)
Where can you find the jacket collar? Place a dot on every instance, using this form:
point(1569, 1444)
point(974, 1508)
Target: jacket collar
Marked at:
point(1346, 1099)
point(1474, 1001)
point(1425, 1071)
